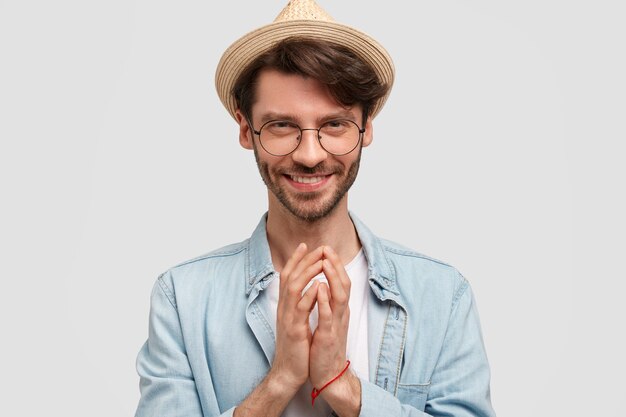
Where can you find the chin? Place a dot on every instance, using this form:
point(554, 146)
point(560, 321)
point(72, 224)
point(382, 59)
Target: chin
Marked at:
point(309, 207)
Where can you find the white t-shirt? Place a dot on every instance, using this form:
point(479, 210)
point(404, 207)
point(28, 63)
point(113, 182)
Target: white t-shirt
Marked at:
point(357, 353)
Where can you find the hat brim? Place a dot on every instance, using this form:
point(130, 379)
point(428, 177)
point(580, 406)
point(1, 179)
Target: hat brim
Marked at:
point(247, 48)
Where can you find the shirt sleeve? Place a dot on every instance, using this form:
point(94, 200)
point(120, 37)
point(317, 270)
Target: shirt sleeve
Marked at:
point(167, 384)
point(460, 381)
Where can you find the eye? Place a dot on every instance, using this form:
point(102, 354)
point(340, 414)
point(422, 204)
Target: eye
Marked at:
point(337, 123)
point(281, 128)
point(280, 124)
point(337, 127)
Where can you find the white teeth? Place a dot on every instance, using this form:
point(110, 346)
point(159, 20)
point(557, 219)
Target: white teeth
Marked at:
point(307, 180)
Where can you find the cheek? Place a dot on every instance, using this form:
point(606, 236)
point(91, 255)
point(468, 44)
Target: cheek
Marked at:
point(267, 168)
point(348, 161)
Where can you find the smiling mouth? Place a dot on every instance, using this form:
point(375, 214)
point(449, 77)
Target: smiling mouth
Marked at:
point(307, 180)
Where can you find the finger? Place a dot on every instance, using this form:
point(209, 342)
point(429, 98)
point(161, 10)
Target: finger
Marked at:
point(293, 260)
point(294, 288)
point(300, 274)
point(315, 272)
point(338, 295)
point(323, 307)
point(344, 279)
point(307, 302)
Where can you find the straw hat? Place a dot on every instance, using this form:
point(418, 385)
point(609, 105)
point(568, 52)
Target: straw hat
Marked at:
point(301, 18)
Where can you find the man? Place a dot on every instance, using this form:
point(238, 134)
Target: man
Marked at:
point(313, 315)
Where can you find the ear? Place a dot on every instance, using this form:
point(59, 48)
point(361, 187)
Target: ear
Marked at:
point(368, 135)
point(246, 137)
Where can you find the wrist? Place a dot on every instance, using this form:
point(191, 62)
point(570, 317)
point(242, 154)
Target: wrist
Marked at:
point(269, 398)
point(344, 395)
point(281, 384)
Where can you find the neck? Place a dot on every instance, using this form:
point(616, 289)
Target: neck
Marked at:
point(286, 231)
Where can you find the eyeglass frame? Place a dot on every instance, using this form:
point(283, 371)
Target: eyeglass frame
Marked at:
point(319, 137)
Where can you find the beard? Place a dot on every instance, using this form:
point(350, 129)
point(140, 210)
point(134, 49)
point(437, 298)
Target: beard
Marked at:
point(311, 206)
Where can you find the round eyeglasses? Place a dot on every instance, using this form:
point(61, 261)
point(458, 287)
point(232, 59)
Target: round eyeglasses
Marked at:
point(282, 137)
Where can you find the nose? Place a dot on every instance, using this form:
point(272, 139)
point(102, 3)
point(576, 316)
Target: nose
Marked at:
point(309, 151)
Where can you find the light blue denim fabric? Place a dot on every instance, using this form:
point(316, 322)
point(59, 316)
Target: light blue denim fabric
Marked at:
point(211, 340)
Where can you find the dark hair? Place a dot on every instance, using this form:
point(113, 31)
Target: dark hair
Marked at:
point(349, 79)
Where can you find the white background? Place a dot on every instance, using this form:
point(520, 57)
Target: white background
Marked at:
point(500, 151)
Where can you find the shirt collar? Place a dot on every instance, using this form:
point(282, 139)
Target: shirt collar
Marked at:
point(381, 272)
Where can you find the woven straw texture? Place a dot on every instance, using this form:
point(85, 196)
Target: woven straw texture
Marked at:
point(303, 10)
point(301, 18)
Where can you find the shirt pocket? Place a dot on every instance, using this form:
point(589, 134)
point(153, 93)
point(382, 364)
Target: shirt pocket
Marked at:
point(414, 395)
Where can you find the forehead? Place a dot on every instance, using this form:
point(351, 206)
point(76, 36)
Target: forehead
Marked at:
point(296, 96)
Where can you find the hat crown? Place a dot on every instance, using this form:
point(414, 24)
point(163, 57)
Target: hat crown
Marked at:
point(300, 19)
point(303, 10)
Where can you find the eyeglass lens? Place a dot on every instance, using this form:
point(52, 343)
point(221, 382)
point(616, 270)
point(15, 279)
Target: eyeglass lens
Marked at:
point(338, 137)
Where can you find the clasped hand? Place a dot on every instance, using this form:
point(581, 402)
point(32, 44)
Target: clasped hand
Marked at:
point(300, 354)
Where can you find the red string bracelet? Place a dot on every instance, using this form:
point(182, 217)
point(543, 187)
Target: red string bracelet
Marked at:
point(316, 392)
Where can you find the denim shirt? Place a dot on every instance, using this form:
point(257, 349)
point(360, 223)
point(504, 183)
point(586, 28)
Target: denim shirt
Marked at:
point(211, 341)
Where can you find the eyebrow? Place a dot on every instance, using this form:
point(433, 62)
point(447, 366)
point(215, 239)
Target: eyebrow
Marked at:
point(341, 114)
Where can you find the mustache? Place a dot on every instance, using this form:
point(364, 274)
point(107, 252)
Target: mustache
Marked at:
point(320, 168)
